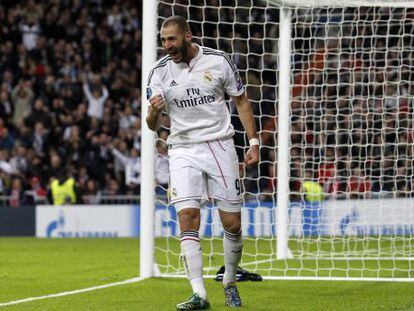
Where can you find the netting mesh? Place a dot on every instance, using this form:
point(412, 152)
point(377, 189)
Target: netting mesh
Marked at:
point(351, 139)
point(352, 100)
point(351, 132)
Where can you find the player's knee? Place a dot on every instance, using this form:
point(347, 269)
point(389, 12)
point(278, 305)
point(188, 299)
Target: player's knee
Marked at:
point(233, 228)
point(189, 219)
point(188, 214)
point(230, 214)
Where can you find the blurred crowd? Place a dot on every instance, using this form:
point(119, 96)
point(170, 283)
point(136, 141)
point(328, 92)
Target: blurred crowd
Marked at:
point(70, 98)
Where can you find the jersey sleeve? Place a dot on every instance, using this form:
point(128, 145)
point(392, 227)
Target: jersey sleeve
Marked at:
point(233, 84)
point(154, 86)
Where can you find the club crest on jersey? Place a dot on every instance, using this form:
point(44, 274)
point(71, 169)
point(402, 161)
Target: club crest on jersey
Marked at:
point(207, 76)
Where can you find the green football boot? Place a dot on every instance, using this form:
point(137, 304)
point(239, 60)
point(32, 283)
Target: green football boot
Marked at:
point(232, 296)
point(195, 302)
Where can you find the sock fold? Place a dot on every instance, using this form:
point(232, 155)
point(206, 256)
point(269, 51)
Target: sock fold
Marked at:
point(193, 261)
point(233, 249)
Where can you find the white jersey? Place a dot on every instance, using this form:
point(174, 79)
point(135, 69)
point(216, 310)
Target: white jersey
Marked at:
point(194, 95)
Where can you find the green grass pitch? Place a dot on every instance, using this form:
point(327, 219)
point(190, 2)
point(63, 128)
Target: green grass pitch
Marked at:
point(32, 267)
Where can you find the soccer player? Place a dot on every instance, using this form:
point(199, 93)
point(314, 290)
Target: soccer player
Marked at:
point(189, 84)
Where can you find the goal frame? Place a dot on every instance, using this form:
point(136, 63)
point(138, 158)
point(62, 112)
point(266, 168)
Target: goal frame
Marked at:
point(147, 204)
point(147, 266)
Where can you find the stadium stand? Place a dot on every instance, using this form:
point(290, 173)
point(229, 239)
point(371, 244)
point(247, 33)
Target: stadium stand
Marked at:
point(69, 72)
point(69, 93)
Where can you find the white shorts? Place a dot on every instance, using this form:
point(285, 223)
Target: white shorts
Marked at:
point(203, 171)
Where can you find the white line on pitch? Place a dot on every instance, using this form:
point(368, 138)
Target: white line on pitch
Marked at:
point(77, 291)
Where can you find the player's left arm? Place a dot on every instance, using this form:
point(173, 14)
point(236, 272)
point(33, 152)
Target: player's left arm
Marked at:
point(247, 119)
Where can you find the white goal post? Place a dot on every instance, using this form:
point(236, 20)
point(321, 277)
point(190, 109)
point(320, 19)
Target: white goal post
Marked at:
point(149, 55)
point(340, 78)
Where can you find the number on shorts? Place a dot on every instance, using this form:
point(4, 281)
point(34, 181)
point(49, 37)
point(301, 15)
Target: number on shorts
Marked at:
point(237, 185)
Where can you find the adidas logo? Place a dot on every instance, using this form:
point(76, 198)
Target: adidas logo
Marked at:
point(173, 83)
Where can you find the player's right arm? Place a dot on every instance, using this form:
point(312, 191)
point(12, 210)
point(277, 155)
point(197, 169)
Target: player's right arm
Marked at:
point(155, 109)
point(156, 100)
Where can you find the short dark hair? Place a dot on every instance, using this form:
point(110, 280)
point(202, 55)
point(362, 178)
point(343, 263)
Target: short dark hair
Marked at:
point(178, 20)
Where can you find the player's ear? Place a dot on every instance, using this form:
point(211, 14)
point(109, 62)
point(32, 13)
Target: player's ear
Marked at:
point(189, 36)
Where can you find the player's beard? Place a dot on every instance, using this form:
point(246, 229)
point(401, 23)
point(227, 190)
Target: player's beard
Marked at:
point(182, 51)
point(185, 47)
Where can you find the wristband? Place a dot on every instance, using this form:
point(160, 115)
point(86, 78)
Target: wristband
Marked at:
point(254, 142)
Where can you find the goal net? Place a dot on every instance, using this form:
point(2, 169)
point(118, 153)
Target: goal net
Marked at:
point(350, 211)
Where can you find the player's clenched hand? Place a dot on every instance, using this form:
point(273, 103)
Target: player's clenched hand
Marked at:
point(157, 103)
point(155, 108)
point(252, 156)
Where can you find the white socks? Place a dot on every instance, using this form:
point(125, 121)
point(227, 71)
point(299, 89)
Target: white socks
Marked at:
point(233, 249)
point(191, 250)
